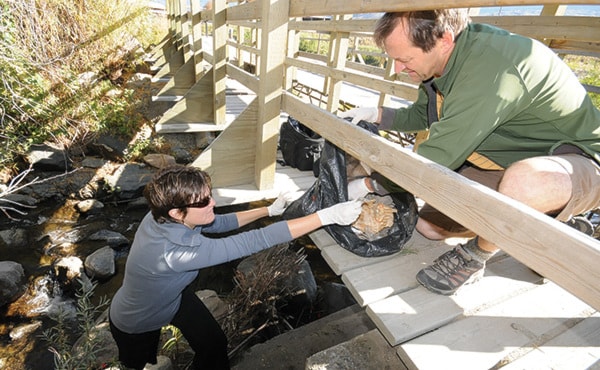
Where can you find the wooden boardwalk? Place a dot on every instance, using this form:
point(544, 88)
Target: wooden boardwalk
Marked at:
point(512, 318)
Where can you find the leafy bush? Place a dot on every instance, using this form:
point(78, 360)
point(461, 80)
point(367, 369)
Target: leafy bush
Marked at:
point(60, 336)
point(45, 46)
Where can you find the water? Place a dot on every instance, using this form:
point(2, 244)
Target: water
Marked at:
point(45, 298)
point(23, 321)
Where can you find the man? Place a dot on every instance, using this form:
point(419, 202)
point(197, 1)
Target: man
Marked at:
point(500, 109)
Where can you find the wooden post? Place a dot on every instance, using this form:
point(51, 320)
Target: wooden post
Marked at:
point(274, 20)
point(293, 44)
point(196, 42)
point(219, 59)
point(338, 42)
point(186, 21)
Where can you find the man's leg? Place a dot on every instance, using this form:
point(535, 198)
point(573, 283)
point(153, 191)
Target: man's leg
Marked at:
point(565, 185)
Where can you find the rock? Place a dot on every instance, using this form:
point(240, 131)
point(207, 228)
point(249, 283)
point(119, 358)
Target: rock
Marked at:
point(47, 157)
point(159, 160)
point(140, 202)
point(14, 238)
point(87, 78)
point(292, 348)
point(139, 81)
point(367, 351)
point(67, 269)
point(211, 300)
point(112, 238)
point(109, 147)
point(162, 363)
point(23, 331)
point(336, 297)
point(89, 206)
point(106, 349)
point(12, 282)
point(70, 276)
point(101, 263)
point(129, 180)
point(60, 185)
point(92, 162)
point(21, 199)
point(182, 146)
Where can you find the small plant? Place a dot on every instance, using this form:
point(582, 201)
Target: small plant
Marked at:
point(59, 337)
point(171, 345)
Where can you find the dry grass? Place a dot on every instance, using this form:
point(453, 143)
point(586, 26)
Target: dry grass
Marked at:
point(44, 47)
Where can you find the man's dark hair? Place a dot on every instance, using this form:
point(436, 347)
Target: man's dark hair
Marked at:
point(175, 187)
point(424, 27)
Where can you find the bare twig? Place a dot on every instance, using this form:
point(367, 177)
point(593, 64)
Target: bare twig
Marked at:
point(256, 294)
point(15, 185)
point(237, 348)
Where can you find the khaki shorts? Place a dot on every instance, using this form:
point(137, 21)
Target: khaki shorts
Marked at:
point(585, 177)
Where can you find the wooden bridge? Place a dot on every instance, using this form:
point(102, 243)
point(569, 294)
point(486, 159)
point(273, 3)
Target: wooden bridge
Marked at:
point(233, 72)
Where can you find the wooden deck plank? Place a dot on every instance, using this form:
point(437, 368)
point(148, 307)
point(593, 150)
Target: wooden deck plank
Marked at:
point(484, 339)
point(378, 281)
point(341, 260)
point(417, 311)
point(322, 239)
point(578, 348)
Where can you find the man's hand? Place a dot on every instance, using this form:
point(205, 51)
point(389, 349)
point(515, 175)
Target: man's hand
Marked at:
point(369, 114)
point(358, 188)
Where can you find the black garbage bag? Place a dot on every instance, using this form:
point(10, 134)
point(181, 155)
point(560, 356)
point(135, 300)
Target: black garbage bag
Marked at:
point(331, 187)
point(300, 146)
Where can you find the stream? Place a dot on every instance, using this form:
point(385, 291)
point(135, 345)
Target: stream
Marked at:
point(23, 321)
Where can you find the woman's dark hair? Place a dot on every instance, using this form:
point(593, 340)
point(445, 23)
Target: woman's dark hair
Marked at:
point(175, 187)
point(424, 27)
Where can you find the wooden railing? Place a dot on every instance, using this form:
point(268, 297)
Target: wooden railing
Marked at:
point(244, 153)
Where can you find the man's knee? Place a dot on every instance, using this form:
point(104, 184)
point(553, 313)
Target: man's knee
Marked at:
point(538, 182)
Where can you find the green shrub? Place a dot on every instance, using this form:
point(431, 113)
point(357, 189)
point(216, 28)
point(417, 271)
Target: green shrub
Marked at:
point(44, 47)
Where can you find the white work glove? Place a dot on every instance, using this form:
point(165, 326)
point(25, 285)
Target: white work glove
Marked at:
point(280, 204)
point(358, 188)
point(369, 114)
point(341, 213)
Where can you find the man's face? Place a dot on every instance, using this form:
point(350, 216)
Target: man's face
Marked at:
point(419, 65)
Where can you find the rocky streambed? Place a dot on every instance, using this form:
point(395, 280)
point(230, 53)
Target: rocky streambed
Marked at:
point(73, 224)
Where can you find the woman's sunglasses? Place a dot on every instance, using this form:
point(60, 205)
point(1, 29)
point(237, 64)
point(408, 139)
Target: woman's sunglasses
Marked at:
point(200, 204)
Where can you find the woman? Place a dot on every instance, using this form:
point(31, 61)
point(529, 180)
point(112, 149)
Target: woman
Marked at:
point(170, 247)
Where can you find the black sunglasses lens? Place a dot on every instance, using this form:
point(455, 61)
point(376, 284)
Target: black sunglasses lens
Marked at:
point(200, 204)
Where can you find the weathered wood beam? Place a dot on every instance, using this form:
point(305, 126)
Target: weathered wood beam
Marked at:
point(303, 8)
point(551, 248)
point(399, 89)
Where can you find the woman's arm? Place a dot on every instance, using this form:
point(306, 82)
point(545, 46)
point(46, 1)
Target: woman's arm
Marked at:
point(341, 213)
point(275, 209)
point(246, 217)
point(304, 225)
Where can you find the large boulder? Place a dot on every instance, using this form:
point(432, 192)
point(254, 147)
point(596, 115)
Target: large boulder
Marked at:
point(12, 282)
point(101, 263)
